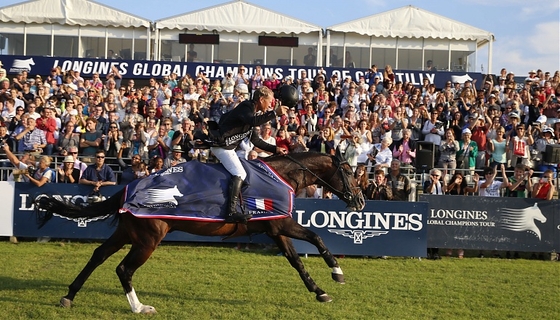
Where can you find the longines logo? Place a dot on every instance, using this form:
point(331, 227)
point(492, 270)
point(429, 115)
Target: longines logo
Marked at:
point(359, 226)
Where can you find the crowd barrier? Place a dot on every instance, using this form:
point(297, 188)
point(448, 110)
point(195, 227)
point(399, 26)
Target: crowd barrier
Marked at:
point(390, 228)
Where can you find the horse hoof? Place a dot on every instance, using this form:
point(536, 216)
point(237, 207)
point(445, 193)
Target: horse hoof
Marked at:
point(148, 310)
point(65, 302)
point(338, 278)
point(323, 298)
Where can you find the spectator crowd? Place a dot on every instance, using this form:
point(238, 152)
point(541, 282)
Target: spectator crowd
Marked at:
point(104, 122)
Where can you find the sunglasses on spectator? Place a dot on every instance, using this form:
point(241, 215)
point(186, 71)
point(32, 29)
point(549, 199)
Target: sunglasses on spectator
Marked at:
point(112, 127)
point(73, 152)
point(100, 157)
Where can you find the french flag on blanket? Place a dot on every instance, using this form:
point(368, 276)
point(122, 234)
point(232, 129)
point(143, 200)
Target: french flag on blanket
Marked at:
point(198, 191)
point(260, 204)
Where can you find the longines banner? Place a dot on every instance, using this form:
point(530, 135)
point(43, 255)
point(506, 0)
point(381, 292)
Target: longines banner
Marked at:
point(493, 223)
point(382, 228)
point(157, 69)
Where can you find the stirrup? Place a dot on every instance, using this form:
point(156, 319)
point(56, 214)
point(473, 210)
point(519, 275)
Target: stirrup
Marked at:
point(238, 217)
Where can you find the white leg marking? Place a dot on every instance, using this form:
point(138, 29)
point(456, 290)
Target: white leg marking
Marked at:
point(337, 270)
point(135, 304)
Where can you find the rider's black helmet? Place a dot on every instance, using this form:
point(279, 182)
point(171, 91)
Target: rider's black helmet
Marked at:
point(289, 96)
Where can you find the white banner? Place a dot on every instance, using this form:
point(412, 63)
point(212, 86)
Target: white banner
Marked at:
point(7, 214)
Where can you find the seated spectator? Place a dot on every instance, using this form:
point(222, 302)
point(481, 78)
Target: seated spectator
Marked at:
point(544, 189)
point(361, 176)
point(67, 173)
point(434, 185)
point(520, 184)
point(400, 184)
point(73, 151)
point(136, 170)
point(175, 158)
point(489, 187)
point(283, 139)
point(458, 185)
point(156, 164)
point(378, 189)
point(98, 174)
point(38, 176)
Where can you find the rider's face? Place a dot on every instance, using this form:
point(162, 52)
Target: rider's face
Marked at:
point(265, 102)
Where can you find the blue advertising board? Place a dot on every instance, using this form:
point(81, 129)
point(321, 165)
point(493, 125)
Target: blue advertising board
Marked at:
point(488, 223)
point(382, 228)
point(142, 69)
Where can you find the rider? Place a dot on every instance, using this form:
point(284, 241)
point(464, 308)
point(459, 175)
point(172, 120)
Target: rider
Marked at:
point(238, 124)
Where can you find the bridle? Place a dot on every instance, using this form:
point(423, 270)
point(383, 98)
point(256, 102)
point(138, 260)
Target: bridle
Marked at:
point(346, 195)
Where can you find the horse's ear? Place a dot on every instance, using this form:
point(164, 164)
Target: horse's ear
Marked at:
point(338, 154)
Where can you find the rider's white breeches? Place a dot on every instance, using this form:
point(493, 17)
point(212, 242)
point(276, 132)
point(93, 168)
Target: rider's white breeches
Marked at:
point(230, 161)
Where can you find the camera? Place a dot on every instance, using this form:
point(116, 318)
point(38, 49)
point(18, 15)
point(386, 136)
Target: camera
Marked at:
point(31, 170)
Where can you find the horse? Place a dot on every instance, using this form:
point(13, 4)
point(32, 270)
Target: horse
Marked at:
point(299, 170)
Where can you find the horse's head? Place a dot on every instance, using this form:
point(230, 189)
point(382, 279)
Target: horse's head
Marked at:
point(344, 185)
point(535, 212)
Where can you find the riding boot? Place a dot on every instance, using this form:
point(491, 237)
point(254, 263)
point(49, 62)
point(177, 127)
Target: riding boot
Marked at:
point(234, 197)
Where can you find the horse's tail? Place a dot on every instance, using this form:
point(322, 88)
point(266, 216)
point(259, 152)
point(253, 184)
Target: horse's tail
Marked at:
point(65, 208)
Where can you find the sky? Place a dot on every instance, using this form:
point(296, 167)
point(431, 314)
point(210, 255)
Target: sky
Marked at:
point(527, 33)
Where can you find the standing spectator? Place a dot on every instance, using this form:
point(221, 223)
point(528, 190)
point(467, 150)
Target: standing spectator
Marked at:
point(67, 139)
point(378, 189)
point(156, 164)
point(159, 144)
point(67, 173)
point(32, 138)
point(468, 150)
point(489, 187)
point(361, 176)
point(175, 158)
point(98, 174)
point(540, 146)
point(544, 189)
point(519, 145)
point(433, 131)
point(91, 140)
point(380, 154)
point(399, 183)
point(300, 140)
point(497, 148)
point(352, 149)
point(47, 123)
point(113, 141)
point(266, 136)
point(323, 141)
point(283, 139)
point(404, 150)
point(458, 185)
point(448, 152)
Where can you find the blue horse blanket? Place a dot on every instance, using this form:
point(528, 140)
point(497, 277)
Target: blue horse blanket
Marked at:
point(199, 191)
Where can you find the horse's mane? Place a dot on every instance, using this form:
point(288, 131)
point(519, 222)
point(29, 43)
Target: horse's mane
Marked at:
point(297, 156)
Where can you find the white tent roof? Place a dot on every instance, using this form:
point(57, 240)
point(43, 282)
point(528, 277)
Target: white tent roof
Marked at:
point(69, 12)
point(237, 16)
point(413, 22)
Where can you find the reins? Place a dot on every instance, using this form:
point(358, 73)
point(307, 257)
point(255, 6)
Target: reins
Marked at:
point(345, 194)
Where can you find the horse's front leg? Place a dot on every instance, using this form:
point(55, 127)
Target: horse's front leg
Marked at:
point(294, 230)
point(285, 244)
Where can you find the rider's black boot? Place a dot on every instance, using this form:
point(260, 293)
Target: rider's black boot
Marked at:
point(234, 191)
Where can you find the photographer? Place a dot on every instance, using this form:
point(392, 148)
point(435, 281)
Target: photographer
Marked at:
point(38, 176)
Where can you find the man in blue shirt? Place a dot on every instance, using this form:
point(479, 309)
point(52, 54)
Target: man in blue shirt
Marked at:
point(98, 174)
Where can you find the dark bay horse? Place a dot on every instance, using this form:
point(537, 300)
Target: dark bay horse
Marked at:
point(299, 170)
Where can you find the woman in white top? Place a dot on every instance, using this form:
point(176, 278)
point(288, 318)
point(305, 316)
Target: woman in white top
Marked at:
point(381, 154)
point(366, 140)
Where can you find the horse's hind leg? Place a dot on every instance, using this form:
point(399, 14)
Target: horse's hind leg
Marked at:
point(143, 246)
point(285, 244)
point(104, 251)
point(294, 230)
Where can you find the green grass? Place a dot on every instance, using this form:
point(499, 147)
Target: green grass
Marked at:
point(218, 282)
